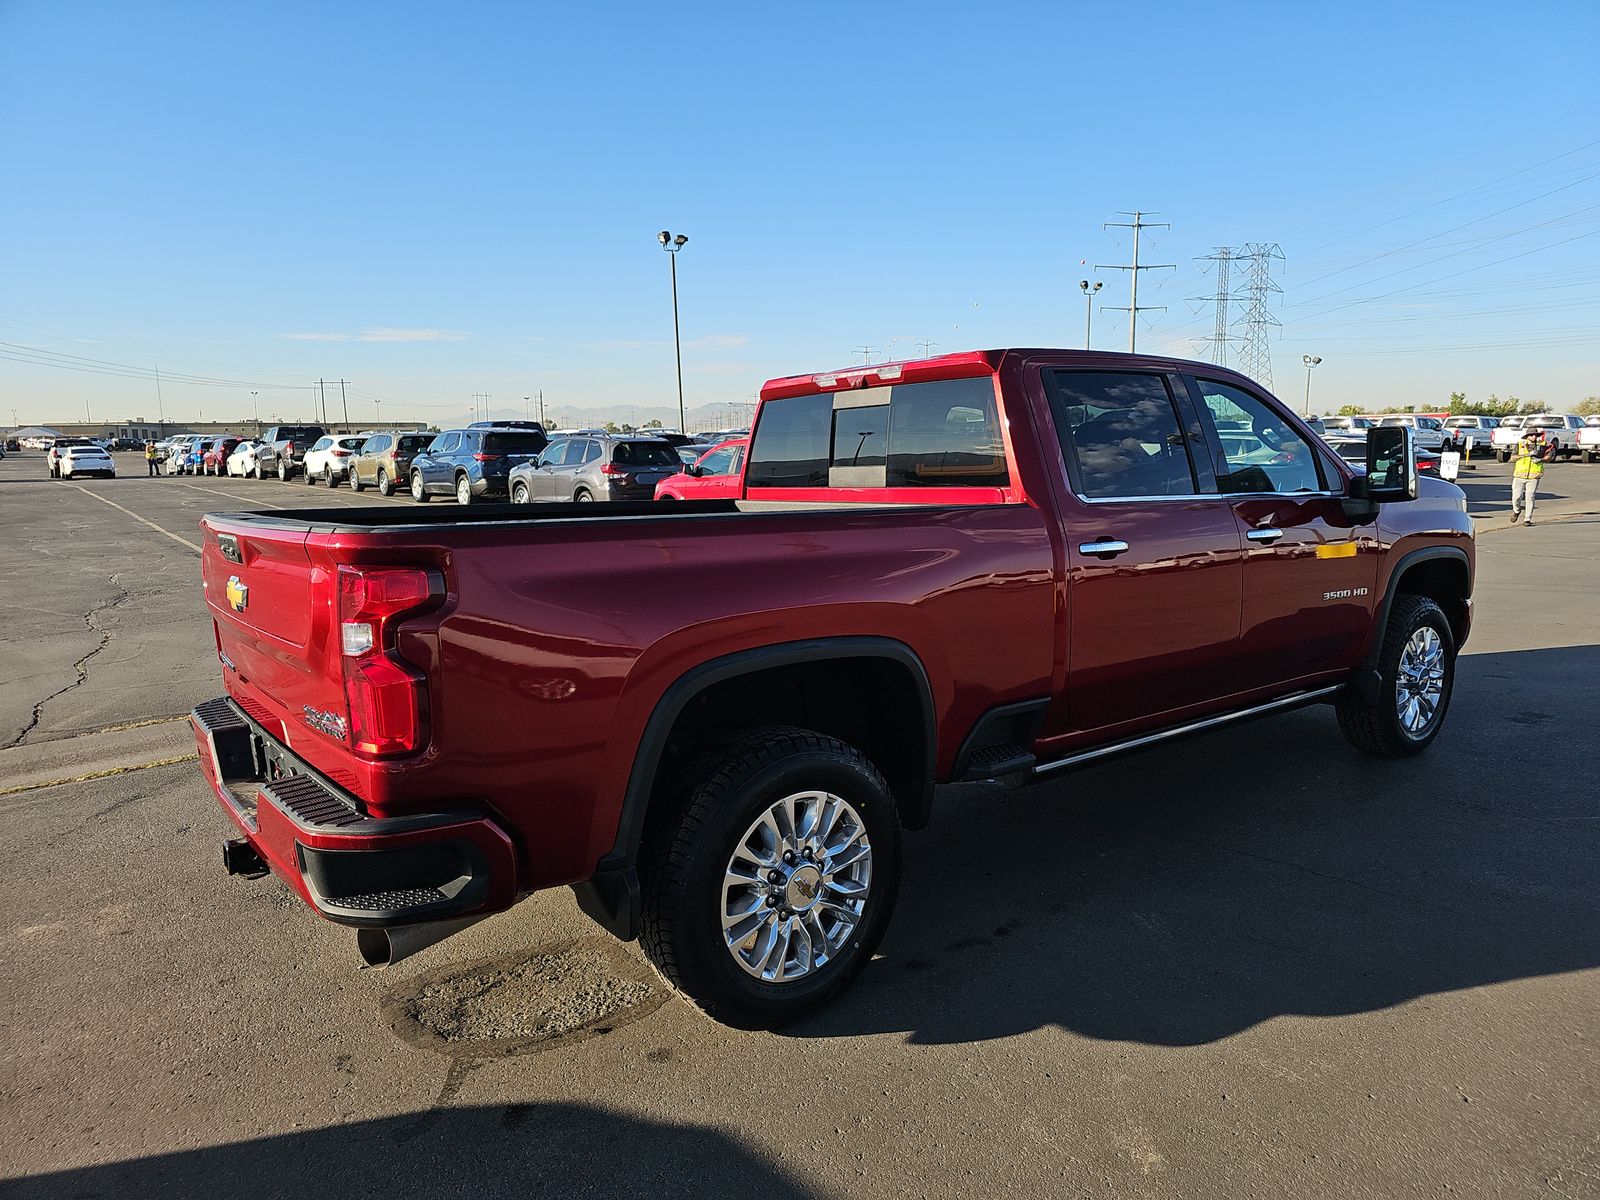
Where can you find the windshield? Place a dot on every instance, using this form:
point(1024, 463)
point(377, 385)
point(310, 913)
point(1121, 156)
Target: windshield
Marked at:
point(644, 454)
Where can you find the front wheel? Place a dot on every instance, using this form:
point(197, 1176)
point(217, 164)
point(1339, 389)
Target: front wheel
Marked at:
point(355, 480)
point(1416, 671)
point(258, 471)
point(418, 492)
point(769, 883)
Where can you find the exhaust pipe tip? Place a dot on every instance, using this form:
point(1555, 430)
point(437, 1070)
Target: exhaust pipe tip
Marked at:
point(380, 948)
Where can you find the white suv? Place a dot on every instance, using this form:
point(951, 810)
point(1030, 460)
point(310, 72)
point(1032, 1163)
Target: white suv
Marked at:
point(329, 460)
point(1480, 429)
point(1429, 430)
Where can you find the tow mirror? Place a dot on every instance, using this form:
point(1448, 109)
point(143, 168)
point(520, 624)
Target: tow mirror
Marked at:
point(1391, 466)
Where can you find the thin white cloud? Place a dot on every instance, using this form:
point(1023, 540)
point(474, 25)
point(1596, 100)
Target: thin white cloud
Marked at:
point(413, 335)
point(382, 335)
point(721, 341)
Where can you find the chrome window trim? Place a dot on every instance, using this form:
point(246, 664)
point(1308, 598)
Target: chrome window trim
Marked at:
point(1212, 496)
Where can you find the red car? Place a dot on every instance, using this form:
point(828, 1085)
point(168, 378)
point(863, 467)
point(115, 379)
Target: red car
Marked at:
point(718, 474)
point(716, 720)
point(214, 458)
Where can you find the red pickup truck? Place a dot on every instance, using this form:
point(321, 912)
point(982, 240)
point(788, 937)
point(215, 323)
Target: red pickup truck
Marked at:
point(992, 565)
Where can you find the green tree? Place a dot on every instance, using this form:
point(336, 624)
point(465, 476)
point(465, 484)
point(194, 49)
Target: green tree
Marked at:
point(1458, 405)
point(652, 423)
point(1529, 406)
point(611, 427)
point(1589, 406)
point(1351, 410)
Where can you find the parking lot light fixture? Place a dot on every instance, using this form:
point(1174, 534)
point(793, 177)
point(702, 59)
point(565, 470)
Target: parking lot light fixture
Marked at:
point(1310, 361)
point(672, 245)
point(1089, 293)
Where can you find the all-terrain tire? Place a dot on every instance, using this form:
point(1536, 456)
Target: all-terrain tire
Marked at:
point(1374, 727)
point(690, 839)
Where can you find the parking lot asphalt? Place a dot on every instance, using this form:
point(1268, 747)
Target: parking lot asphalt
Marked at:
point(1253, 963)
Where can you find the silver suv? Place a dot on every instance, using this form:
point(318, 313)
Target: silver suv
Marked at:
point(598, 467)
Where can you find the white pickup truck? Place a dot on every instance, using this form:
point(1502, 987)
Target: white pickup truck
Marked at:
point(1589, 440)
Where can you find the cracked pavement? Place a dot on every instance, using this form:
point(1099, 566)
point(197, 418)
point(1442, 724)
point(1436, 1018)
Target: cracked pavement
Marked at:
point(1249, 964)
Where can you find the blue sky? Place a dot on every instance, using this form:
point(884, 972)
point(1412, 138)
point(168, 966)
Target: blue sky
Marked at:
point(436, 200)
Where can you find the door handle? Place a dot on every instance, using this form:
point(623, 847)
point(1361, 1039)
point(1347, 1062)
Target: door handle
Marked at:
point(1264, 535)
point(1104, 548)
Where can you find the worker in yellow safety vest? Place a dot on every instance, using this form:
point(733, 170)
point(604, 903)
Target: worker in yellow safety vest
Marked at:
point(1532, 454)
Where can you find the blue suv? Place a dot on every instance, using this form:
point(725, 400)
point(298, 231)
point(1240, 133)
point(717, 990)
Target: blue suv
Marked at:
point(474, 463)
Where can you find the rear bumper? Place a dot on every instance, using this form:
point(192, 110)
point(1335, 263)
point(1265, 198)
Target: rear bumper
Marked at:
point(352, 868)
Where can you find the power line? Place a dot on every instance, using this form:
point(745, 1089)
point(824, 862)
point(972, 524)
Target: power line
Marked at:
point(1134, 308)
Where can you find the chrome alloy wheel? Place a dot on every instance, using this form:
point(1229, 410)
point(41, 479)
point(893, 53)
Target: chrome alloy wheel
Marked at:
point(796, 887)
point(1419, 684)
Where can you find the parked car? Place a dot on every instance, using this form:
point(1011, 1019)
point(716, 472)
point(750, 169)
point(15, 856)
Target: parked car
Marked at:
point(184, 454)
point(245, 459)
point(385, 460)
point(285, 449)
point(214, 454)
point(716, 721)
point(620, 467)
point(472, 464)
point(1429, 430)
point(58, 449)
point(1357, 425)
point(13, 445)
point(83, 457)
point(329, 458)
point(1588, 441)
point(691, 452)
point(715, 475)
point(1480, 429)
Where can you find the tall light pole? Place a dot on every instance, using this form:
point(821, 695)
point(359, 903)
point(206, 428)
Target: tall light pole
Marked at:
point(255, 413)
point(672, 245)
point(1310, 361)
point(1089, 294)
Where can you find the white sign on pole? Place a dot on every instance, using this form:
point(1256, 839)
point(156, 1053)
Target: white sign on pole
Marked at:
point(1449, 465)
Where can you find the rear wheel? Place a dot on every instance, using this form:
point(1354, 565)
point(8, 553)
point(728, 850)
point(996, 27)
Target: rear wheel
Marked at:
point(309, 479)
point(1503, 455)
point(418, 492)
point(519, 493)
point(329, 478)
point(1416, 671)
point(581, 495)
point(463, 490)
point(769, 882)
point(385, 488)
point(1589, 456)
point(283, 472)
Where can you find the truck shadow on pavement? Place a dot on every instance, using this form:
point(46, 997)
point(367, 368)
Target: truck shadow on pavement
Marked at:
point(516, 1150)
point(1182, 896)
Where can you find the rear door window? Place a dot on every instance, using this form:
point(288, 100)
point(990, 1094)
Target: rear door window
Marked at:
point(791, 446)
point(946, 434)
point(1120, 435)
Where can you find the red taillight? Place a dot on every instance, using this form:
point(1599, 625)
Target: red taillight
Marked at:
point(613, 469)
point(484, 457)
point(384, 693)
point(343, 453)
point(288, 447)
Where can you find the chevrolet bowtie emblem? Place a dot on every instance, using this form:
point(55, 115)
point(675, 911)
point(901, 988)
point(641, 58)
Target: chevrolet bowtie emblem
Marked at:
point(238, 594)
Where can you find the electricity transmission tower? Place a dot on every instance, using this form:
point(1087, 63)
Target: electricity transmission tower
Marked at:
point(1134, 308)
point(1255, 359)
point(1224, 300)
point(866, 353)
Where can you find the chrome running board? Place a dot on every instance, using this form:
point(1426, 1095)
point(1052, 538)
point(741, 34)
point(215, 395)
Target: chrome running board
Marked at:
point(1291, 701)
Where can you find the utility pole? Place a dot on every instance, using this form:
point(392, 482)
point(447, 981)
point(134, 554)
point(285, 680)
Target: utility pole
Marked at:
point(1134, 308)
point(541, 407)
point(866, 353)
point(1224, 298)
point(161, 409)
point(345, 404)
point(324, 406)
point(927, 348)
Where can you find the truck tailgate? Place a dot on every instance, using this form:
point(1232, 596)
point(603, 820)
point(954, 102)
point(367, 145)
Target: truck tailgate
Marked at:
point(273, 610)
